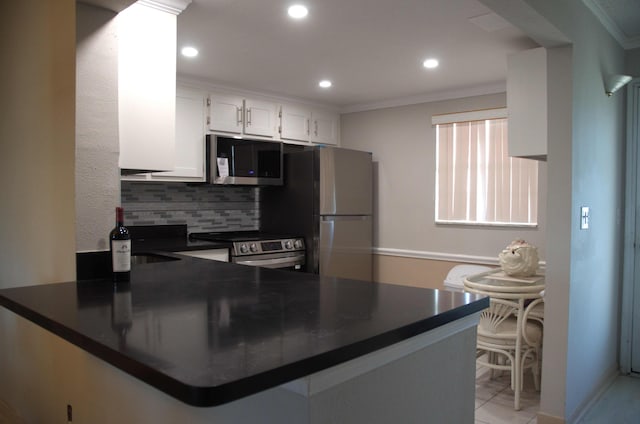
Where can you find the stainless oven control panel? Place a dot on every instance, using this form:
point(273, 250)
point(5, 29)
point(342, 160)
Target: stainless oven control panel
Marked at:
point(257, 247)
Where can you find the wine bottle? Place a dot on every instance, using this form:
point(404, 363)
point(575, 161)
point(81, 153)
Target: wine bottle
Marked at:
point(120, 245)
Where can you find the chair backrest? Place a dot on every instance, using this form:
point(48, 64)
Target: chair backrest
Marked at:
point(498, 311)
point(455, 277)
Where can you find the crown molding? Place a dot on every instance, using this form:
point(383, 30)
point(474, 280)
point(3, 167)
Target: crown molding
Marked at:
point(175, 7)
point(209, 85)
point(481, 90)
point(612, 27)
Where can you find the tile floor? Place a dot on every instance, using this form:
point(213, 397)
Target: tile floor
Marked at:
point(494, 400)
point(620, 404)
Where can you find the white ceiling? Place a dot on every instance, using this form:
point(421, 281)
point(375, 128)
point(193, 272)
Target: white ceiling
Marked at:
point(372, 50)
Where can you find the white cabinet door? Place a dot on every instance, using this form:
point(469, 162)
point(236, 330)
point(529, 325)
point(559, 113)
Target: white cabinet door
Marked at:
point(294, 123)
point(324, 127)
point(146, 88)
point(259, 118)
point(190, 137)
point(527, 103)
point(189, 156)
point(226, 113)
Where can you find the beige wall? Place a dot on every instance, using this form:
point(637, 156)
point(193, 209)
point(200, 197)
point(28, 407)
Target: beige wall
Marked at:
point(37, 133)
point(402, 141)
point(37, 148)
point(415, 272)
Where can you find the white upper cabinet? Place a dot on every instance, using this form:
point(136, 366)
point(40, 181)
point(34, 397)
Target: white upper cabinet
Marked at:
point(527, 103)
point(190, 136)
point(324, 127)
point(294, 123)
point(259, 118)
point(237, 115)
point(146, 88)
point(303, 124)
point(225, 113)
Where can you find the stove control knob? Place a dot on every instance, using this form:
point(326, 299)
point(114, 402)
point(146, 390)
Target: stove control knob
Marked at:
point(298, 244)
point(244, 248)
point(288, 244)
point(253, 247)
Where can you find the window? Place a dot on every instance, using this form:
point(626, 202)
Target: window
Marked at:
point(476, 180)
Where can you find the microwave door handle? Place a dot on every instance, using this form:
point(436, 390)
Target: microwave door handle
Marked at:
point(233, 160)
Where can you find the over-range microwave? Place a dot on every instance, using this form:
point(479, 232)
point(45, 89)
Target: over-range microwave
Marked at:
point(241, 161)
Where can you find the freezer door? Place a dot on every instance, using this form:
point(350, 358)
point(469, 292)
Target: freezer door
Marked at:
point(345, 182)
point(346, 247)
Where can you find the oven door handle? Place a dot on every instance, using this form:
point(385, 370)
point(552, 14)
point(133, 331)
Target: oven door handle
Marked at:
point(273, 263)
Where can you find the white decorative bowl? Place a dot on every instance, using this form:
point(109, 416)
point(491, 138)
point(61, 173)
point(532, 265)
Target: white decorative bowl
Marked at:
point(519, 259)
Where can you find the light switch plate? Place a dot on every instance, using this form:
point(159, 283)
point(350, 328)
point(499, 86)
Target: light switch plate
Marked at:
point(584, 218)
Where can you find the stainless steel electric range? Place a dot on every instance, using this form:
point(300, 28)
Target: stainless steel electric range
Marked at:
point(260, 249)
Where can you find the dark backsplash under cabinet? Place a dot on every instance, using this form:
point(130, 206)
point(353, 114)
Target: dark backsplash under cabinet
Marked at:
point(202, 207)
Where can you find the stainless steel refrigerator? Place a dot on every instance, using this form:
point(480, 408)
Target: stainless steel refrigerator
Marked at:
point(328, 199)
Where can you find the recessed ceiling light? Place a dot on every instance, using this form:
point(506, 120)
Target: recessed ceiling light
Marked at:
point(325, 84)
point(189, 51)
point(430, 63)
point(298, 11)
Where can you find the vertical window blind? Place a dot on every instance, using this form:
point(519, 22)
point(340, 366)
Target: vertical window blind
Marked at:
point(477, 181)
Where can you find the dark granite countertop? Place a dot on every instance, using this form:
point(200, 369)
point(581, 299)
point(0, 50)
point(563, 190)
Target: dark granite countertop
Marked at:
point(144, 239)
point(175, 244)
point(167, 238)
point(209, 332)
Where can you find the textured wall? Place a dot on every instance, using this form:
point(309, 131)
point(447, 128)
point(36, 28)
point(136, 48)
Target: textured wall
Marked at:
point(202, 207)
point(97, 144)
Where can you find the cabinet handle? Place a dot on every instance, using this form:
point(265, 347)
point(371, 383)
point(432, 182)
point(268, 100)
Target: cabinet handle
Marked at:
point(316, 128)
point(308, 127)
point(248, 117)
point(238, 115)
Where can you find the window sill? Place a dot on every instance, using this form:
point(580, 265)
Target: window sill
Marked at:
point(487, 224)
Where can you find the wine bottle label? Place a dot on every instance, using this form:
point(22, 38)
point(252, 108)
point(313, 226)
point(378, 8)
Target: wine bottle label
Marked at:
point(121, 255)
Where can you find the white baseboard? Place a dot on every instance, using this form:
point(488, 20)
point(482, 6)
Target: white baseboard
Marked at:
point(549, 419)
point(603, 385)
point(437, 256)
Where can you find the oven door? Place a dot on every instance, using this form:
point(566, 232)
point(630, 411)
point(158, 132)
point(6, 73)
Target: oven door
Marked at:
point(293, 261)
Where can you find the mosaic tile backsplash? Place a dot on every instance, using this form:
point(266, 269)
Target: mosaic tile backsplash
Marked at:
point(202, 207)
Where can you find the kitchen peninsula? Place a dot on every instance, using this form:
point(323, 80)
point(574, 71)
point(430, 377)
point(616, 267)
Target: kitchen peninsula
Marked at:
point(192, 340)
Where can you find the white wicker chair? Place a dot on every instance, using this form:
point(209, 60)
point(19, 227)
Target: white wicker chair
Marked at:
point(508, 341)
point(535, 310)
